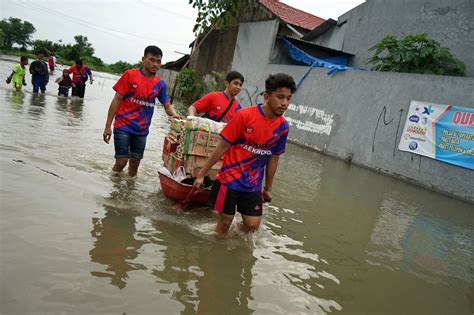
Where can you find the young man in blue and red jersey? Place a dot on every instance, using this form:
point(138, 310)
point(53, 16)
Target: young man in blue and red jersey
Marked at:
point(252, 143)
point(215, 104)
point(132, 107)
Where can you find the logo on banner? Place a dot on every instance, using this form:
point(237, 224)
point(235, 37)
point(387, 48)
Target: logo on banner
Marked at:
point(428, 110)
point(414, 118)
point(413, 145)
point(416, 130)
point(424, 120)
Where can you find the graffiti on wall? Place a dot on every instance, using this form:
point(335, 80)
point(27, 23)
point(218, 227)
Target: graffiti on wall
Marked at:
point(316, 120)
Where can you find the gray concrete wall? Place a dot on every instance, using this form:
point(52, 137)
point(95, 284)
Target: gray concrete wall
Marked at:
point(338, 115)
point(449, 22)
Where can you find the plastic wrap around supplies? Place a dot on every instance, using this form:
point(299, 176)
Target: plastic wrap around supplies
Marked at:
point(203, 124)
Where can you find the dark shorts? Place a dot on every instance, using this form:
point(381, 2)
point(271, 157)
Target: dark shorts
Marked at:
point(79, 90)
point(224, 200)
point(63, 90)
point(128, 145)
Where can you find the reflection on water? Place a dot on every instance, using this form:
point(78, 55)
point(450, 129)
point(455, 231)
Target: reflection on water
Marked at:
point(424, 245)
point(71, 108)
point(115, 245)
point(336, 239)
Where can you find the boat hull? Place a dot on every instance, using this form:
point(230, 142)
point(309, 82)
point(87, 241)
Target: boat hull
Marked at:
point(180, 192)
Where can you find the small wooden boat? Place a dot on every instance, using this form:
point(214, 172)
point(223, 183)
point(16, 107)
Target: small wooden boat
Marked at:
point(182, 192)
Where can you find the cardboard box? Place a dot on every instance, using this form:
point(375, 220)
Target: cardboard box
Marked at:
point(195, 161)
point(199, 143)
point(169, 147)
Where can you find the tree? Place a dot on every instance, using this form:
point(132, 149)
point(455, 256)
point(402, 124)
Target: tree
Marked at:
point(221, 13)
point(81, 49)
point(43, 44)
point(16, 31)
point(212, 14)
point(415, 54)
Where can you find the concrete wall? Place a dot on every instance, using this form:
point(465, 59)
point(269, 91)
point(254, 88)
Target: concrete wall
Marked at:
point(449, 22)
point(339, 114)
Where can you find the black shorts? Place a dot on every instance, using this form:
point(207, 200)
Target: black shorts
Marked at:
point(224, 200)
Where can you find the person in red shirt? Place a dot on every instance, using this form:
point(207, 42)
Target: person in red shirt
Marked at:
point(220, 106)
point(251, 144)
point(132, 108)
point(80, 74)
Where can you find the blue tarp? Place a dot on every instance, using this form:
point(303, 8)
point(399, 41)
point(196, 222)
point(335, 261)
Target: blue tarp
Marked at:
point(334, 63)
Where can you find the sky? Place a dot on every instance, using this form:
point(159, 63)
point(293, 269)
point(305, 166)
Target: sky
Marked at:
point(121, 29)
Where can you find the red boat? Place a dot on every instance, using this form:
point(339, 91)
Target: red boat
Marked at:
point(183, 193)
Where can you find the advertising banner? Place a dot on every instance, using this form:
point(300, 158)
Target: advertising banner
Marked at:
point(441, 132)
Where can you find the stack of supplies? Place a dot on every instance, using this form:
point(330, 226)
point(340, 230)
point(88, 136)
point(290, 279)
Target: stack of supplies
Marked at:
point(190, 143)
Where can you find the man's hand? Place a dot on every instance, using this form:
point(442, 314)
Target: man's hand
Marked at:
point(199, 182)
point(267, 196)
point(107, 134)
point(178, 116)
point(24, 82)
point(91, 80)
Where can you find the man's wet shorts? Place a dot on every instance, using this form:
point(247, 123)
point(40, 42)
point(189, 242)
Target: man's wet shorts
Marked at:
point(128, 145)
point(225, 200)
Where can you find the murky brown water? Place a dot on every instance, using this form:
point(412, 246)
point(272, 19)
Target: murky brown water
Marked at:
point(337, 238)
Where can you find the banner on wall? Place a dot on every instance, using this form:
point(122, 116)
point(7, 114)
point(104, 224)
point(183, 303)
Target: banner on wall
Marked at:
point(441, 132)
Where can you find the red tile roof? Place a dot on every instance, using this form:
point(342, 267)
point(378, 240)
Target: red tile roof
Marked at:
point(292, 15)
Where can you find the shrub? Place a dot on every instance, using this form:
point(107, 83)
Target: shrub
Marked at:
point(415, 54)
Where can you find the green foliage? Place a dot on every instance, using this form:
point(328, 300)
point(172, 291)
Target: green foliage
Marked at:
point(415, 54)
point(16, 31)
point(192, 87)
point(222, 13)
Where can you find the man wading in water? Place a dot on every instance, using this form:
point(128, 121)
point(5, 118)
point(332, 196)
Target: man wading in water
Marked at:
point(132, 107)
point(251, 144)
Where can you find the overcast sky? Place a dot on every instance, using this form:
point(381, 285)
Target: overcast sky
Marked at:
point(121, 29)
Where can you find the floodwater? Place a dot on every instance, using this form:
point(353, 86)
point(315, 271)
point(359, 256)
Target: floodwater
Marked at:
point(336, 239)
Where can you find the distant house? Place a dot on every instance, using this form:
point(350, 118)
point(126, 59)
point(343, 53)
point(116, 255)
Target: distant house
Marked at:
point(217, 51)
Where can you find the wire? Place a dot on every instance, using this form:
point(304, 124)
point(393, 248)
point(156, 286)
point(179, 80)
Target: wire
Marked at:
point(94, 26)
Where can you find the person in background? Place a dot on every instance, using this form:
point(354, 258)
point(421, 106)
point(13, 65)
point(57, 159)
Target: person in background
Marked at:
point(220, 106)
point(65, 83)
point(39, 74)
point(51, 60)
point(132, 108)
point(251, 144)
point(80, 74)
point(17, 77)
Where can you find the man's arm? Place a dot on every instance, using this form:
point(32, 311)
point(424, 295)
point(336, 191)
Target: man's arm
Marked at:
point(110, 116)
point(221, 148)
point(91, 78)
point(192, 110)
point(270, 171)
point(169, 109)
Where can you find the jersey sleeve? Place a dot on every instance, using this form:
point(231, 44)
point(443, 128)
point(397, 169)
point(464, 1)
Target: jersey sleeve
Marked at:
point(70, 70)
point(163, 94)
point(233, 130)
point(122, 86)
point(281, 144)
point(204, 103)
point(88, 71)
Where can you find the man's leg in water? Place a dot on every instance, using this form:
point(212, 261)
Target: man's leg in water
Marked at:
point(120, 164)
point(133, 164)
point(223, 224)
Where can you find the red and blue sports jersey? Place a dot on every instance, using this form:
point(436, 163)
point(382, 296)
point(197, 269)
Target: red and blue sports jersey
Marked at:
point(254, 138)
point(80, 76)
point(139, 92)
point(214, 104)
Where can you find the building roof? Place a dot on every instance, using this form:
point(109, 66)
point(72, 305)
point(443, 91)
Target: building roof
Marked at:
point(292, 15)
